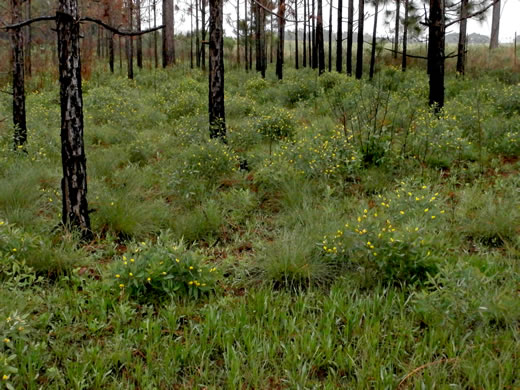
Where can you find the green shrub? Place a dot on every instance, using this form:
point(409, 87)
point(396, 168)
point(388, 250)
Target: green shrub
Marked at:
point(149, 272)
point(277, 124)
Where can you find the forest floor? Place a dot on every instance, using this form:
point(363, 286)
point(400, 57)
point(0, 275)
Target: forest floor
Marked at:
point(344, 237)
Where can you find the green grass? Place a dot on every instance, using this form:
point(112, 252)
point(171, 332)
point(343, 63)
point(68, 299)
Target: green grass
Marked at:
point(368, 244)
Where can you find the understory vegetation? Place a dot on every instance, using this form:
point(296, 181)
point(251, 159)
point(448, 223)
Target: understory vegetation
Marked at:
point(346, 236)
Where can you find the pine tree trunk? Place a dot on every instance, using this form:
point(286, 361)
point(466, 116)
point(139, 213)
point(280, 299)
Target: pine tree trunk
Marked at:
point(339, 38)
point(405, 35)
point(314, 44)
point(359, 54)
point(495, 26)
point(203, 47)
point(217, 116)
point(120, 56)
point(258, 44)
point(396, 31)
point(330, 36)
point(281, 36)
point(374, 43)
point(167, 35)
point(436, 38)
point(350, 35)
point(251, 35)
point(246, 37)
point(271, 39)
point(111, 52)
point(139, 37)
point(197, 38)
point(75, 214)
point(296, 53)
point(309, 33)
point(238, 33)
point(155, 50)
point(191, 35)
point(130, 43)
point(304, 33)
point(18, 67)
point(320, 39)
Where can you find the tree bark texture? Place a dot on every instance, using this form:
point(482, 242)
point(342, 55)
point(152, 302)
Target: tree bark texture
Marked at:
point(495, 26)
point(374, 43)
point(28, 40)
point(304, 33)
point(203, 27)
point(281, 35)
point(339, 38)
point(314, 45)
point(405, 35)
point(436, 39)
point(350, 35)
point(320, 41)
point(139, 37)
point(17, 54)
point(330, 36)
point(217, 116)
point(296, 49)
point(130, 42)
point(359, 54)
point(396, 30)
point(74, 183)
point(168, 52)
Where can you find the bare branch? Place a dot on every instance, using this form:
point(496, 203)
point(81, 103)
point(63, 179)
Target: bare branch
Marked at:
point(28, 22)
point(117, 31)
point(472, 15)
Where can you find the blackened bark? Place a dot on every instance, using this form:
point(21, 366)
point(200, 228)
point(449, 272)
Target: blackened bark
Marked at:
point(314, 44)
point(120, 56)
point(405, 35)
point(203, 46)
point(155, 51)
point(304, 33)
point(258, 44)
point(396, 30)
point(167, 35)
point(320, 39)
point(495, 26)
point(339, 38)
point(74, 183)
point(191, 35)
point(350, 35)
point(271, 39)
point(374, 42)
point(296, 54)
point(111, 51)
point(330, 36)
point(139, 37)
point(309, 31)
point(436, 53)
point(130, 42)
point(17, 54)
point(263, 42)
point(238, 33)
point(251, 36)
point(246, 37)
point(281, 34)
point(217, 116)
point(359, 54)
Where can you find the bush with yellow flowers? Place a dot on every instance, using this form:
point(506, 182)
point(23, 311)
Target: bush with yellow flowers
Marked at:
point(12, 331)
point(153, 271)
point(276, 124)
point(394, 236)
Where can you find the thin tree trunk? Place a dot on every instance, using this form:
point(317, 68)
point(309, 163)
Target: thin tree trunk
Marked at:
point(350, 35)
point(197, 36)
point(251, 36)
point(339, 38)
point(203, 47)
point(330, 36)
point(75, 214)
point(309, 31)
point(246, 36)
point(17, 55)
point(111, 51)
point(155, 50)
point(217, 116)
point(28, 40)
point(263, 42)
point(120, 55)
point(139, 37)
point(314, 45)
point(238, 33)
point(320, 39)
point(129, 42)
point(167, 35)
point(191, 35)
point(258, 44)
point(436, 39)
point(396, 31)
point(495, 26)
point(359, 54)
point(405, 35)
point(296, 54)
point(304, 33)
point(281, 34)
point(374, 42)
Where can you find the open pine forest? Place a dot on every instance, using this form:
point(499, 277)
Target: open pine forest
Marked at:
point(333, 232)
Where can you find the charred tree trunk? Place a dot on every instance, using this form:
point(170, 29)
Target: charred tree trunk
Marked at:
point(405, 35)
point(314, 44)
point(17, 54)
point(374, 43)
point(191, 35)
point(167, 35)
point(359, 54)
point(246, 37)
point(203, 46)
point(304, 33)
point(120, 55)
point(139, 37)
point(155, 51)
point(251, 36)
point(75, 214)
point(436, 53)
point(217, 116)
point(339, 38)
point(330, 36)
point(28, 40)
point(130, 43)
point(111, 51)
point(281, 35)
point(258, 43)
point(197, 39)
point(296, 54)
point(495, 26)
point(350, 35)
point(320, 39)
point(271, 40)
point(309, 31)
